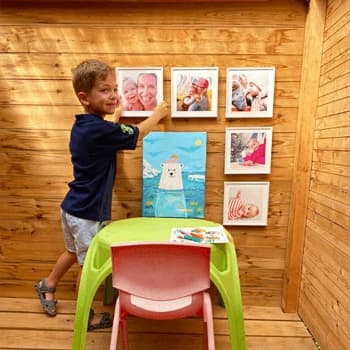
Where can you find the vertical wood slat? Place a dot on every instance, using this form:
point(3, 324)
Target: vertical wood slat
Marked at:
point(313, 40)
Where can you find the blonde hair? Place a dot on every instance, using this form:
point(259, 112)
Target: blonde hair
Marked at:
point(87, 73)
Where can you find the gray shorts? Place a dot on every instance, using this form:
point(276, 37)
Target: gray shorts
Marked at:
point(78, 234)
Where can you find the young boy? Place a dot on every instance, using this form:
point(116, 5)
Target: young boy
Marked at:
point(93, 146)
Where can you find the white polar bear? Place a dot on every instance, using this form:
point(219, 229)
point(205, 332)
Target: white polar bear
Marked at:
point(171, 178)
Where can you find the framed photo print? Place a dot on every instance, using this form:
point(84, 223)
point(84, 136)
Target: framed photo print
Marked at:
point(194, 92)
point(141, 89)
point(248, 150)
point(250, 92)
point(246, 203)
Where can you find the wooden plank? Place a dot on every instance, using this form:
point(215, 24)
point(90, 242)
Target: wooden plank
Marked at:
point(330, 244)
point(338, 31)
point(286, 13)
point(334, 96)
point(60, 93)
point(340, 215)
point(330, 108)
point(62, 117)
point(339, 233)
point(331, 157)
point(155, 39)
point(336, 83)
point(260, 237)
point(45, 164)
point(302, 170)
point(336, 11)
point(331, 169)
point(125, 189)
point(41, 340)
point(271, 326)
point(336, 50)
point(320, 330)
point(335, 68)
point(58, 66)
point(340, 182)
point(334, 144)
point(333, 121)
point(58, 141)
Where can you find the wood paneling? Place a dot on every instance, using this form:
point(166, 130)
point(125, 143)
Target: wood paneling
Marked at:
point(39, 47)
point(324, 296)
point(266, 327)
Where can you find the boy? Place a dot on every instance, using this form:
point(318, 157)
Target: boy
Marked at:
point(93, 146)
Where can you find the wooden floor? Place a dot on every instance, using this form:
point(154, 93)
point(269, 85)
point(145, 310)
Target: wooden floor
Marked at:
point(24, 326)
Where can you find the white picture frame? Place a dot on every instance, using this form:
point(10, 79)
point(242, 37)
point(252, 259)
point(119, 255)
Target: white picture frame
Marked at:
point(250, 92)
point(252, 194)
point(194, 92)
point(140, 88)
point(248, 150)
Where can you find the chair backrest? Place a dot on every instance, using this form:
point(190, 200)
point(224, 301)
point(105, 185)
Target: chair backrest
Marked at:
point(161, 270)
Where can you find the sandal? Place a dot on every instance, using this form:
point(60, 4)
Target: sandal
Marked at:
point(105, 321)
point(49, 306)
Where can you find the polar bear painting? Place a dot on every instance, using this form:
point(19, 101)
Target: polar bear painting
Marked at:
point(171, 178)
point(173, 182)
point(170, 194)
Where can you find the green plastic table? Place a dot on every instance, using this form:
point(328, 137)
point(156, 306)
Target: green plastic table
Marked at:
point(97, 266)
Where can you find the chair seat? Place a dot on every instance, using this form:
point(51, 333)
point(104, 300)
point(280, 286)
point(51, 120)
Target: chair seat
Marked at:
point(161, 305)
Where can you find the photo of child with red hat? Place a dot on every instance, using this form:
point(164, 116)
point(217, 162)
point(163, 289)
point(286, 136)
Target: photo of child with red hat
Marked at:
point(200, 97)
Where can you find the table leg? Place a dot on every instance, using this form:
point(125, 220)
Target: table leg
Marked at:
point(234, 315)
point(225, 276)
point(91, 279)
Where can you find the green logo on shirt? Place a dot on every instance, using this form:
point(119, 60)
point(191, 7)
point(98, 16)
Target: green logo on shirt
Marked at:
point(127, 129)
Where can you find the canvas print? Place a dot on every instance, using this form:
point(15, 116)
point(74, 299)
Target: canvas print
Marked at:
point(141, 89)
point(194, 92)
point(173, 183)
point(245, 203)
point(248, 150)
point(250, 92)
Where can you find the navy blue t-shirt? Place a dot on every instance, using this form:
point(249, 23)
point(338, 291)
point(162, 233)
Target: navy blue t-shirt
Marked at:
point(93, 146)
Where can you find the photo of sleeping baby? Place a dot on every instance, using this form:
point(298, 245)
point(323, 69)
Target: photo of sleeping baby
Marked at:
point(245, 203)
point(248, 151)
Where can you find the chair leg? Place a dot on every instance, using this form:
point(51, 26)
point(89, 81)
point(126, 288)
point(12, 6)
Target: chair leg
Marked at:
point(208, 342)
point(124, 332)
point(115, 328)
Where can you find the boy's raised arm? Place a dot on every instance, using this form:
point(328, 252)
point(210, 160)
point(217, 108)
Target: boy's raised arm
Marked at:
point(147, 125)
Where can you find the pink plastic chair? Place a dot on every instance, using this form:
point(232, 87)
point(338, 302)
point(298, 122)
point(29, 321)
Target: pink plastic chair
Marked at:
point(161, 281)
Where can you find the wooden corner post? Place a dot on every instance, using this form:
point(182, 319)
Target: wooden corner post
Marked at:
point(308, 99)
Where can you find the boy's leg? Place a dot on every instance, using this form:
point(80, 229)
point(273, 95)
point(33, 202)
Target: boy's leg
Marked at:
point(47, 286)
point(63, 264)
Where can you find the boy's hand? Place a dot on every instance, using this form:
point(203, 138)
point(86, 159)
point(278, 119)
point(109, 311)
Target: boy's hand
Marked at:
point(117, 114)
point(162, 110)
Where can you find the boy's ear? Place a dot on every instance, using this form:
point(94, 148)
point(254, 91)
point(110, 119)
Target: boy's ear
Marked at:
point(83, 98)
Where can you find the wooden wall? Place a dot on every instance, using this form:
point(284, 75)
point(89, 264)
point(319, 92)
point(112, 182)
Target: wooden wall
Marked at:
point(325, 290)
point(39, 47)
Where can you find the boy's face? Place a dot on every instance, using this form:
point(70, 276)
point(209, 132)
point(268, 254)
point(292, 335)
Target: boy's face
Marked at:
point(103, 97)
